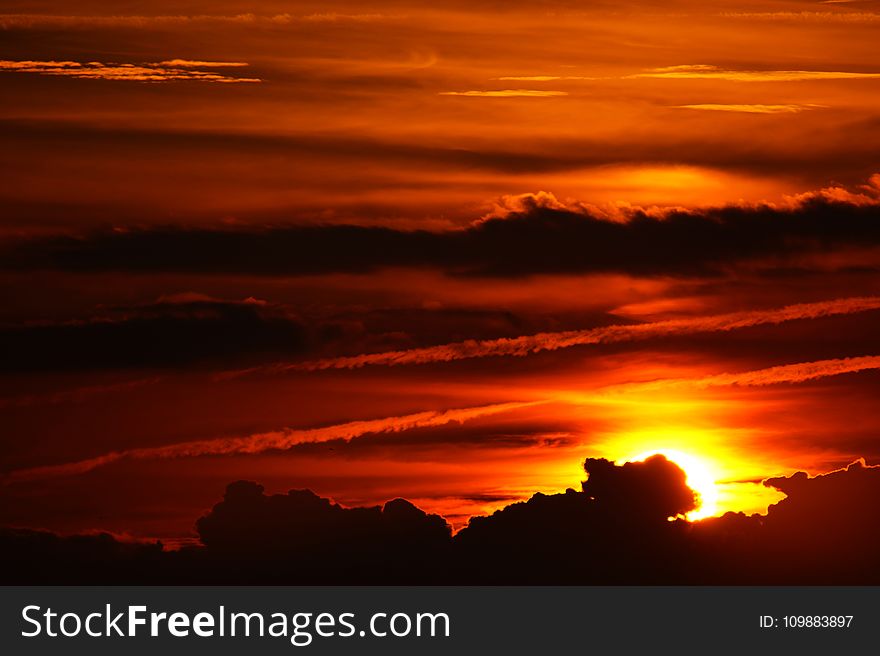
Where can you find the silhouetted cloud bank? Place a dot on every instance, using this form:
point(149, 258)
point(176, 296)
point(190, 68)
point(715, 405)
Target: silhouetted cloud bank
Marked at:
point(524, 235)
point(616, 530)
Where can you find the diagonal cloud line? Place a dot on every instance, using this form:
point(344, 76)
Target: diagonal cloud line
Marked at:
point(288, 438)
point(800, 372)
point(273, 440)
point(552, 341)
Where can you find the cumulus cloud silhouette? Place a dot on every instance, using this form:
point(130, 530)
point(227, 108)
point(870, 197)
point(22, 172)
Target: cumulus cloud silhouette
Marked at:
point(313, 539)
point(42, 557)
point(653, 489)
point(824, 532)
point(615, 531)
point(836, 514)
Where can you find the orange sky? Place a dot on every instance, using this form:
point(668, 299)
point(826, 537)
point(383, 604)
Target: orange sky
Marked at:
point(150, 361)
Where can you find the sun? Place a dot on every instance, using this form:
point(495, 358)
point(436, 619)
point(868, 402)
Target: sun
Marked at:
point(700, 478)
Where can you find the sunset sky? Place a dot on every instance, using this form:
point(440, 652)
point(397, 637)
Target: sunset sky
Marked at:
point(442, 251)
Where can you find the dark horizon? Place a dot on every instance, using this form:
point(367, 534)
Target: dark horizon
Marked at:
point(625, 527)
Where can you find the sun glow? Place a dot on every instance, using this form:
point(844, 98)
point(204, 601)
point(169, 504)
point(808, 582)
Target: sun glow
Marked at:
point(701, 432)
point(700, 477)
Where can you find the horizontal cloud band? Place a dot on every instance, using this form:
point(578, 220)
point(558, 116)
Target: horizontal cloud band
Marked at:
point(166, 71)
point(525, 235)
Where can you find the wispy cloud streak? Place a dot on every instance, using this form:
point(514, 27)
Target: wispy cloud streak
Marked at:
point(506, 93)
point(751, 108)
point(32, 21)
point(813, 16)
point(800, 372)
point(289, 438)
point(166, 71)
point(709, 72)
point(271, 441)
point(552, 341)
point(75, 395)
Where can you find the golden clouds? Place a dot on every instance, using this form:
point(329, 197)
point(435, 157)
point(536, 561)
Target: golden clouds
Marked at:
point(166, 71)
point(506, 93)
point(816, 16)
point(751, 109)
point(545, 78)
point(188, 63)
point(711, 72)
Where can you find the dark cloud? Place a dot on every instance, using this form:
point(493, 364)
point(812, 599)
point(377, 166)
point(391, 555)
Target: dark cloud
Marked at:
point(644, 491)
point(320, 540)
point(188, 328)
point(170, 332)
point(600, 535)
point(824, 532)
point(49, 558)
point(616, 531)
point(836, 514)
point(530, 235)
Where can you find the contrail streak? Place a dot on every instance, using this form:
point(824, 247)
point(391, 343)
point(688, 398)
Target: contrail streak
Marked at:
point(551, 341)
point(288, 438)
point(788, 373)
point(273, 440)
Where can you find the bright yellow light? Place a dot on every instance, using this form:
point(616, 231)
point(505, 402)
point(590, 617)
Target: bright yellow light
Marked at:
point(700, 478)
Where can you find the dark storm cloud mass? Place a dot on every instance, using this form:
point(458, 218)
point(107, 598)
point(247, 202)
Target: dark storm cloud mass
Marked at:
point(615, 531)
point(532, 234)
point(171, 332)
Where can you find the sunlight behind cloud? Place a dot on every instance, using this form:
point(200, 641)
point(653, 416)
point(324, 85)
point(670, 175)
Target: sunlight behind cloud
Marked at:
point(701, 478)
